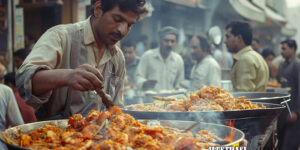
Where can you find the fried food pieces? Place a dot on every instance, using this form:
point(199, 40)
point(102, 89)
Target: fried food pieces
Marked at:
point(113, 130)
point(205, 99)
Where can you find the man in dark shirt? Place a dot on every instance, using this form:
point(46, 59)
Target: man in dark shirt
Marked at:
point(288, 76)
point(131, 61)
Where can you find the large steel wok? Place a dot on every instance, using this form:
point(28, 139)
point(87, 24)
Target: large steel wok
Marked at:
point(219, 130)
point(10, 133)
point(207, 116)
point(264, 97)
point(253, 122)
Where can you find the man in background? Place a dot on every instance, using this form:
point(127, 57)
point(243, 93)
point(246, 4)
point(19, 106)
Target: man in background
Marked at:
point(131, 61)
point(9, 111)
point(206, 71)
point(161, 68)
point(27, 111)
point(250, 72)
point(269, 56)
point(289, 76)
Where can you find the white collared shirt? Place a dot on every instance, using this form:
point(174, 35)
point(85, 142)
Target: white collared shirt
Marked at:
point(207, 72)
point(168, 73)
point(9, 110)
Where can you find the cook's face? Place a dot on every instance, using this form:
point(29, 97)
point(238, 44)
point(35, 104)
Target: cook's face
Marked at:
point(114, 24)
point(286, 51)
point(168, 43)
point(230, 41)
point(196, 49)
point(129, 53)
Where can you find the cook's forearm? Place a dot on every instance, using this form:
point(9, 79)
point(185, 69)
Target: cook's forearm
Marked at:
point(46, 80)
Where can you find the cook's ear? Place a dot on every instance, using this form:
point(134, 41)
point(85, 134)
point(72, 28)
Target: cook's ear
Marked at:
point(98, 8)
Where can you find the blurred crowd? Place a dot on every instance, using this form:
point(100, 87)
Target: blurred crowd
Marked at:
point(204, 58)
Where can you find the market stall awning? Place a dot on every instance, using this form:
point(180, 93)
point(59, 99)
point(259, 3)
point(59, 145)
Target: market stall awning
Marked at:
point(274, 15)
point(247, 10)
point(289, 30)
point(270, 13)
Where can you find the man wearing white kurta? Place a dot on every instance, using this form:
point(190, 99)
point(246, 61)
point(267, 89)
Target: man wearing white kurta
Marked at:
point(206, 71)
point(161, 68)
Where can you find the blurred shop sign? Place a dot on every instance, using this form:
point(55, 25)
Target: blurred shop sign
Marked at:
point(3, 26)
point(19, 29)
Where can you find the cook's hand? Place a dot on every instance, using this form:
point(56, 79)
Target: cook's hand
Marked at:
point(149, 84)
point(84, 78)
point(293, 118)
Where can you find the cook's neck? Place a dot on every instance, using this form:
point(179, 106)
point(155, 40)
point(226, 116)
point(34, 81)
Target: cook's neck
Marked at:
point(101, 45)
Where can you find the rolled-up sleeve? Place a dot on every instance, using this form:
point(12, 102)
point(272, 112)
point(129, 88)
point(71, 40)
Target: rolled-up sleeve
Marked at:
point(46, 54)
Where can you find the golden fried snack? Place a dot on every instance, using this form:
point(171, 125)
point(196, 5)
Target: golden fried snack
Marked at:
point(113, 130)
point(205, 99)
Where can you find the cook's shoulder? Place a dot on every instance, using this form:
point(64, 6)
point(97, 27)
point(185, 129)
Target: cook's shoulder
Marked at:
point(119, 54)
point(66, 29)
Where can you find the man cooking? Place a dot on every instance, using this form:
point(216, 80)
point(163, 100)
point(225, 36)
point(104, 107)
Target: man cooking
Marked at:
point(69, 62)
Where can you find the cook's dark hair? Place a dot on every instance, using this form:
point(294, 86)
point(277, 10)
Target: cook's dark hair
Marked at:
point(137, 6)
point(243, 29)
point(204, 44)
point(291, 43)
